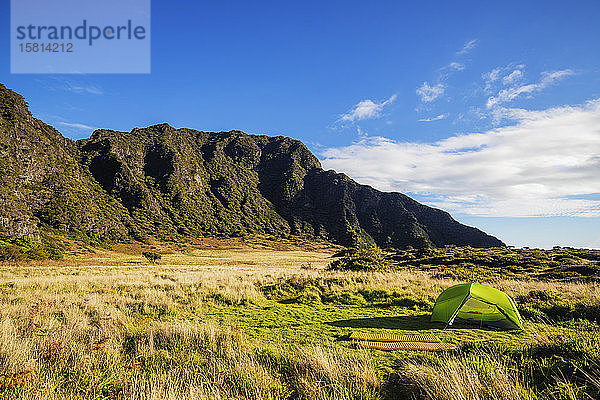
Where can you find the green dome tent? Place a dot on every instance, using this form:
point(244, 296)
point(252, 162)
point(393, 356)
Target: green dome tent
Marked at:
point(476, 303)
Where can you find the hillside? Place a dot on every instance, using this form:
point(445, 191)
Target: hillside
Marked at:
point(173, 184)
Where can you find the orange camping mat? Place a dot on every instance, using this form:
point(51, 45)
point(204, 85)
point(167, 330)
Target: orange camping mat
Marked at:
point(423, 346)
point(393, 337)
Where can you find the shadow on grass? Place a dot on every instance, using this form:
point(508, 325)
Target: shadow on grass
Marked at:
point(403, 322)
point(406, 323)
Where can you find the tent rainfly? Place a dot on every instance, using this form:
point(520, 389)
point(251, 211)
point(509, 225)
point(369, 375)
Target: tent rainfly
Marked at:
point(478, 304)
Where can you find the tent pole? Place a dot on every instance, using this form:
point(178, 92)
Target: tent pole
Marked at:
point(451, 320)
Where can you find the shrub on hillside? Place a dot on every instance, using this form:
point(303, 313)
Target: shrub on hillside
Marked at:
point(360, 259)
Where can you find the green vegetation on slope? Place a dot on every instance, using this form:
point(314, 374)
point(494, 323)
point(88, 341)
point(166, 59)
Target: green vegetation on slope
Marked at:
point(478, 265)
point(25, 249)
point(179, 184)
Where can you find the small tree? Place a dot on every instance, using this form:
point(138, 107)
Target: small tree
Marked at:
point(151, 256)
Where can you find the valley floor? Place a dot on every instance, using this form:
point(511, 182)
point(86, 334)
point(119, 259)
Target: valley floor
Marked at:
point(267, 320)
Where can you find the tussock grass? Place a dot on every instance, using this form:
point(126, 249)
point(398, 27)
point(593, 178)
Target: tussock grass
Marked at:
point(474, 376)
point(55, 347)
point(226, 329)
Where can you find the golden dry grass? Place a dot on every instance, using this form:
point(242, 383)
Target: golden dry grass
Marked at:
point(85, 329)
point(474, 377)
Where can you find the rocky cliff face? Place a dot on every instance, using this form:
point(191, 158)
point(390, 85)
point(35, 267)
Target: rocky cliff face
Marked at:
point(172, 183)
point(42, 184)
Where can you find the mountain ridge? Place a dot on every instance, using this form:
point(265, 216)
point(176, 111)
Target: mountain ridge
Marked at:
point(170, 184)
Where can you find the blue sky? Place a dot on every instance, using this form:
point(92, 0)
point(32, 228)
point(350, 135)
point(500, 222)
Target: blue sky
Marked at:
point(487, 110)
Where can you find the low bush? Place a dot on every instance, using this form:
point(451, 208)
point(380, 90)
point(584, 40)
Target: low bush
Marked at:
point(361, 259)
point(25, 249)
point(151, 256)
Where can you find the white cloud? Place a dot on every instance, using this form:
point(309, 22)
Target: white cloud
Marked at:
point(490, 78)
point(546, 164)
point(506, 95)
point(361, 133)
point(77, 125)
point(513, 77)
point(548, 77)
point(366, 109)
point(512, 74)
point(430, 93)
point(456, 66)
point(470, 45)
point(79, 88)
point(70, 85)
point(436, 118)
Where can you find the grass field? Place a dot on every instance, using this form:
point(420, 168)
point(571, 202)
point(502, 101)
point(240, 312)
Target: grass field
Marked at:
point(258, 319)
